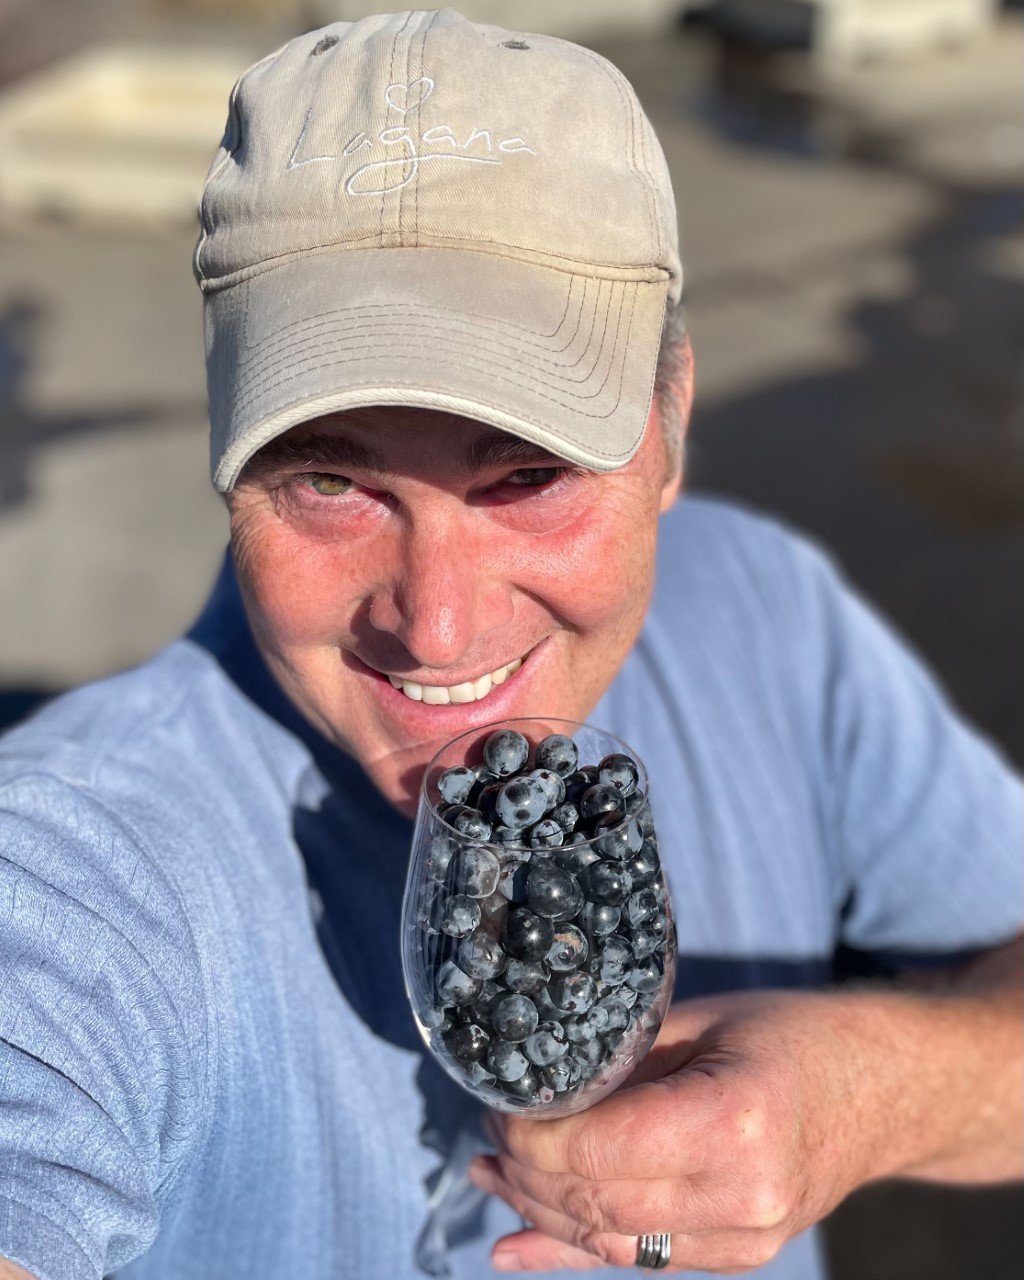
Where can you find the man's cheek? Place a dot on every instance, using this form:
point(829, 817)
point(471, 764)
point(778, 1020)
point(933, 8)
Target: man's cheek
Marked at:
point(591, 571)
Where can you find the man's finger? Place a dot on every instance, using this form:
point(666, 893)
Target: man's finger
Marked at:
point(544, 1248)
point(607, 1247)
point(661, 1129)
point(628, 1206)
point(535, 1250)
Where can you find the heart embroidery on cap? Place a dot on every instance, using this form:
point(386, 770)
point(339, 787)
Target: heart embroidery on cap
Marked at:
point(407, 97)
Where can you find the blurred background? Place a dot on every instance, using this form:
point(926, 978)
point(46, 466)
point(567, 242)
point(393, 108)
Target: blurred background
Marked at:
point(848, 180)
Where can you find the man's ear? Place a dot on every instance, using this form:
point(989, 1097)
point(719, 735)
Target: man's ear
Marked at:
point(679, 388)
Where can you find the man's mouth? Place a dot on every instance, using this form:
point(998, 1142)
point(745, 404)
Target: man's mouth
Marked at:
point(474, 690)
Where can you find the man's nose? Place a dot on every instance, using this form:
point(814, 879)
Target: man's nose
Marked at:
point(447, 591)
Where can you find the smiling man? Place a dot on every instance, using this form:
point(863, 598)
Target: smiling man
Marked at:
point(449, 384)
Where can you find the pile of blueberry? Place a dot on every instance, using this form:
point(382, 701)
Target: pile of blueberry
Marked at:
point(547, 919)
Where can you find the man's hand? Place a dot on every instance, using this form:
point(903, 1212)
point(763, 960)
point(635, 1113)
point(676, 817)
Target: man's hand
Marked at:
point(753, 1116)
point(10, 1271)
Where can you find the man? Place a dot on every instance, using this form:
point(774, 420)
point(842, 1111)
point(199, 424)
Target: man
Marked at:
point(439, 264)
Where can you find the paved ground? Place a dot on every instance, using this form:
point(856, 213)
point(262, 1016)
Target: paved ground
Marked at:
point(855, 287)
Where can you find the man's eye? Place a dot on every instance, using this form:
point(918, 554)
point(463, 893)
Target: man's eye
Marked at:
point(534, 477)
point(328, 485)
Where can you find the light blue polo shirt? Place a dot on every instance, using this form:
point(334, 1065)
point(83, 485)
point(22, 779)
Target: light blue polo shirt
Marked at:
point(208, 1069)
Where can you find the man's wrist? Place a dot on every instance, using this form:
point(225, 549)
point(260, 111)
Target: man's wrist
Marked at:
point(935, 1074)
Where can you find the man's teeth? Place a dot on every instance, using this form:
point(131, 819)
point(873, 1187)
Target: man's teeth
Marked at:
point(439, 695)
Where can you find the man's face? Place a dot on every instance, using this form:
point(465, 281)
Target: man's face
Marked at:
point(411, 547)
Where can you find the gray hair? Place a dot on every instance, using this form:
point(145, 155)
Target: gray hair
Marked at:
point(673, 365)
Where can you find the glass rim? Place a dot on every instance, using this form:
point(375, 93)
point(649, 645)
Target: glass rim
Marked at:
point(491, 727)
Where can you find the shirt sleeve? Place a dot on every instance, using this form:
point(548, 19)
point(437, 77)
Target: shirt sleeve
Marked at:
point(100, 1037)
point(925, 816)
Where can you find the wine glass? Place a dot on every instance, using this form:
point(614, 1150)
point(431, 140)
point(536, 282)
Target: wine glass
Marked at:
point(538, 940)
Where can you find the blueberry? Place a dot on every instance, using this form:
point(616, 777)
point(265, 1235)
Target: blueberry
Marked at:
point(506, 1060)
point(455, 785)
point(484, 778)
point(613, 1038)
point(515, 1017)
point(600, 799)
point(509, 837)
point(521, 802)
point(627, 996)
point(637, 807)
point(557, 753)
point(599, 919)
point(477, 872)
point(480, 956)
point(566, 815)
point(598, 1017)
point(552, 892)
point(546, 834)
point(553, 785)
point(493, 910)
point(644, 866)
point(525, 1089)
point(620, 772)
point(573, 992)
point(454, 986)
point(429, 907)
point(617, 1010)
point(558, 1076)
point(460, 916)
point(617, 837)
point(546, 1045)
point(645, 942)
point(568, 951)
point(525, 977)
point(506, 752)
point(641, 907)
point(578, 783)
point(527, 935)
point(486, 800)
point(441, 850)
point(660, 927)
point(607, 883)
point(590, 1056)
point(579, 1029)
point(546, 1007)
point(479, 1009)
point(645, 977)
point(435, 1019)
point(470, 823)
point(507, 882)
point(575, 854)
point(469, 1042)
point(478, 1074)
point(614, 961)
point(514, 881)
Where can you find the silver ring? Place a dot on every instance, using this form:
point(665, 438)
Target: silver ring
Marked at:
point(653, 1252)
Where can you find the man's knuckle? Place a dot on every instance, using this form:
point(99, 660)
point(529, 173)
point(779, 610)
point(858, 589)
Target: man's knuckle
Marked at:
point(765, 1205)
point(582, 1201)
point(749, 1122)
point(757, 1251)
point(612, 1250)
point(586, 1155)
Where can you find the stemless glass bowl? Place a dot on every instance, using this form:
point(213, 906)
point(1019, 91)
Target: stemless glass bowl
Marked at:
point(538, 947)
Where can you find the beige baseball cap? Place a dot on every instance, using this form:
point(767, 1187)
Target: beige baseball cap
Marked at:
point(416, 209)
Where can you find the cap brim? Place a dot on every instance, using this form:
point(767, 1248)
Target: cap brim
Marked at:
point(562, 359)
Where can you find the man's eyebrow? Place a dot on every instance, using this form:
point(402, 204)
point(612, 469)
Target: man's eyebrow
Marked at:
point(318, 451)
point(498, 448)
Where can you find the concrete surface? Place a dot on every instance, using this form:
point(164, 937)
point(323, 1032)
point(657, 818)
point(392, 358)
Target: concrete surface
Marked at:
point(855, 283)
